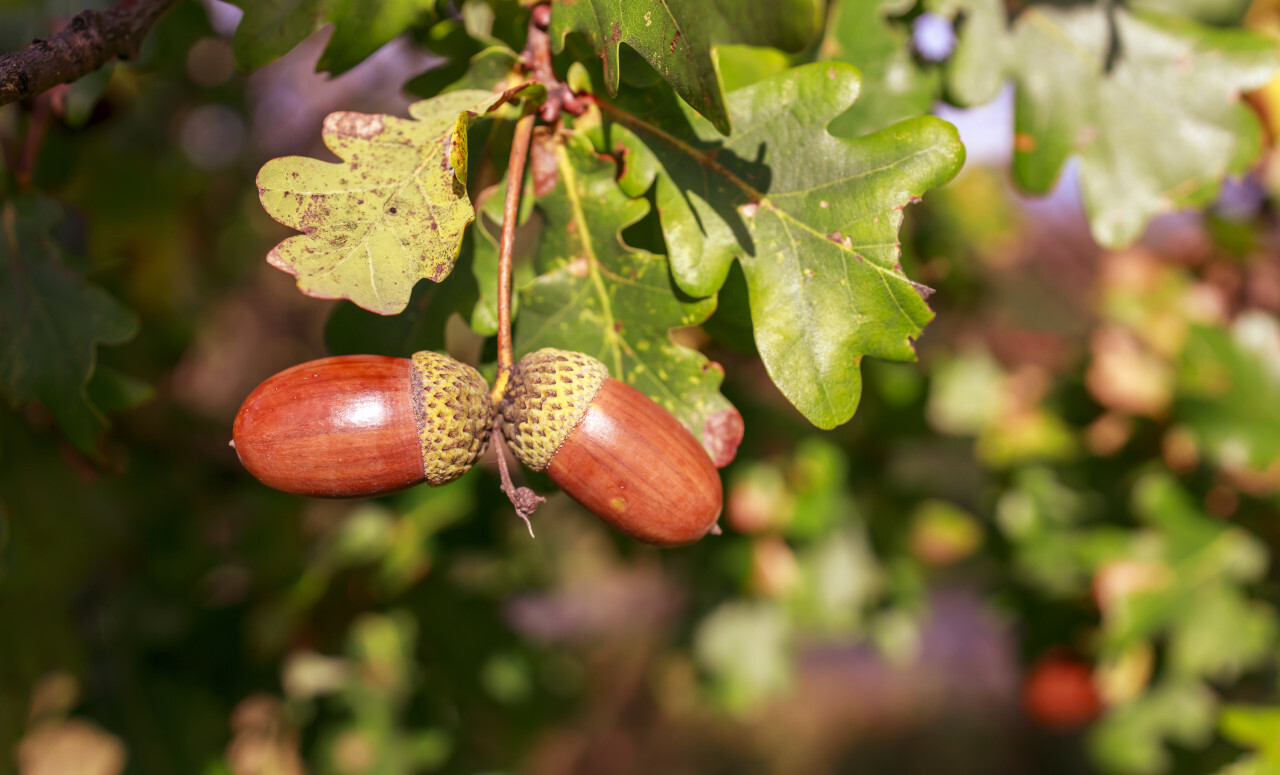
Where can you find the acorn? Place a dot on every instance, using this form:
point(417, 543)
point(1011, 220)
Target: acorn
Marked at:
point(364, 425)
point(610, 448)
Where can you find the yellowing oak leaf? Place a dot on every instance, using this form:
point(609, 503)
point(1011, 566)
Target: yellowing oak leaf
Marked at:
point(391, 212)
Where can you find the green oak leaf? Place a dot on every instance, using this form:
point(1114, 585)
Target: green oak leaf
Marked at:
point(741, 66)
point(1149, 102)
point(596, 295)
point(894, 86)
point(485, 239)
point(484, 254)
point(676, 37)
point(271, 28)
point(490, 67)
point(392, 212)
point(479, 47)
point(812, 218)
point(51, 322)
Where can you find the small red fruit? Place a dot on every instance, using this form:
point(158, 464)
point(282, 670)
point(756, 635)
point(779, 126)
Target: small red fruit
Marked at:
point(1060, 693)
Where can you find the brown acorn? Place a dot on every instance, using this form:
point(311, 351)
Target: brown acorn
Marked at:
point(610, 447)
point(364, 425)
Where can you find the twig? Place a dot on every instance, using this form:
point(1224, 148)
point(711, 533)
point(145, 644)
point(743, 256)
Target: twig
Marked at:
point(537, 60)
point(506, 248)
point(524, 499)
point(89, 41)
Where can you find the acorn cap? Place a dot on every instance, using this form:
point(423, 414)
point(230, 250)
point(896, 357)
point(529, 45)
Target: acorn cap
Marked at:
point(548, 395)
point(451, 405)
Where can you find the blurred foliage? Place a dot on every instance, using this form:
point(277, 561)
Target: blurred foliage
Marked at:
point(1046, 547)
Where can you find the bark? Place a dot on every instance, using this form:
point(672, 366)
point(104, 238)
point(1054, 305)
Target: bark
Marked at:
point(89, 41)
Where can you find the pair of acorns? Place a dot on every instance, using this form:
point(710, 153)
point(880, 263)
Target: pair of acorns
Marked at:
point(364, 425)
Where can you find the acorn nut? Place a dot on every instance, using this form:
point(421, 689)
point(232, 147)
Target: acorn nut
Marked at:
point(610, 447)
point(364, 425)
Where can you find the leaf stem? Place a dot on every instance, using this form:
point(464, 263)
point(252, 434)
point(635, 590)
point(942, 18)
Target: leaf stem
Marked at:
point(506, 247)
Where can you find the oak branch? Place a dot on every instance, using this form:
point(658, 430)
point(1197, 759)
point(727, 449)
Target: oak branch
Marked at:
point(89, 41)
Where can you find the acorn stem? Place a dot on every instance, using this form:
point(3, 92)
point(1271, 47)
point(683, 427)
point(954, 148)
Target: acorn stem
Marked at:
point(525, 500)
point(506, 248)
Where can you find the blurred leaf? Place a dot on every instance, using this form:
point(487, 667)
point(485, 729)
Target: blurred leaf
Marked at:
point(351, 330)
point(383, 644)
point(677, 38)
point(819, 476)
point(51, 322)
point(1126, 376)
point(428, 750)
point(1094, 81)
point(392, 212)
point(1182, 584)
point(1257, 727)
point(1204, 546)
point(271, 28)
point(1251, 765)
point(1130, 738)
point(364, 536)
point(113, 391)
point(976, 70)
point(494, 22)
point(1040, 516)
point(424, 512)
point(1220, 634)
point(965, 393)
point(374, 739)
point(506, 677)
point(71, 745)
point(741, 66)
point(1221, 13)
point(489, 69)
point(894, 86)
point(840, 577)
point(812, 218)
point(306, 675)
point(84, 94)
point(745, 676)
point(596, 295)
point(943, 533)
point(899, 385)
point(1230, 396)
point(1034, 434)
point(758, 498)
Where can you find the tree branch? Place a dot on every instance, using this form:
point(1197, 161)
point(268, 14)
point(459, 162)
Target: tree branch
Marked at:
point(89, 41)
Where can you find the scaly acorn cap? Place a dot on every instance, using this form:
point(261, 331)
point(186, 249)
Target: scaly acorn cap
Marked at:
point(454, 414)
point(549, 393)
